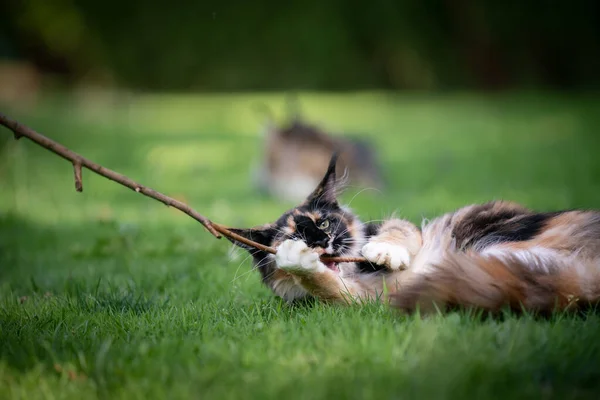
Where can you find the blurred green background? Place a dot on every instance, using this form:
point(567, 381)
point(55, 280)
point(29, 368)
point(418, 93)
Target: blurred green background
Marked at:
point(106, 294)
point(309, 45)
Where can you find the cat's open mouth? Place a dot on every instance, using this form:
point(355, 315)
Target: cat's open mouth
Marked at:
point(332, 266)
point(329, 264)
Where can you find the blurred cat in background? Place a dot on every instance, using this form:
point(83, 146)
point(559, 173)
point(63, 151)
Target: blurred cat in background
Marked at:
point(294, 156)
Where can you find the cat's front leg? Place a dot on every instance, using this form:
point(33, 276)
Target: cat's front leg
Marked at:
point(395, 245)
point(295, 257)
point(303, 263)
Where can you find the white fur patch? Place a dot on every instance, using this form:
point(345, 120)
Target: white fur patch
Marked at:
point(536, 259)
point(393, 256)
point(296, 256)
point(437, 241)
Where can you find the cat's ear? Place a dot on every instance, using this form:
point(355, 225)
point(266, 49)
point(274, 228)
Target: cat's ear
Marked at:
point(326, 191)
point(262, 234)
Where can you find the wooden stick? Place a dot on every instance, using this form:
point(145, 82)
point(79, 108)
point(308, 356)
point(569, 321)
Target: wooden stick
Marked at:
point(79, 162)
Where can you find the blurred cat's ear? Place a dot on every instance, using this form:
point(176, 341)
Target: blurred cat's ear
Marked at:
point(263, 235)
point(326, 191)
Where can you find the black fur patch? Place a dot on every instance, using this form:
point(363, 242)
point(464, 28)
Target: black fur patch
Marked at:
point(481, 227)
point(319, 204)
point(308, 231)
point(342, 239)
point(264, 236)
point(372, 229)
point(325, 193)
point(365, 267)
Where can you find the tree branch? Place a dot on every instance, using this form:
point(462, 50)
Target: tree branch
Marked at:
point(79, 162)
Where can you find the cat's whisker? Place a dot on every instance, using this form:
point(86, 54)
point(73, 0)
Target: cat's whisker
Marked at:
point(235, 275)
point(247, 273)
point(360, 192)
point(338, 225)
point(270, 274)
point(260, 264)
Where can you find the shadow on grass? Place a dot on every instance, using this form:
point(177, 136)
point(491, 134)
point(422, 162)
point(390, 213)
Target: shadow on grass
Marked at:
point(51, 311)
point(74, 331)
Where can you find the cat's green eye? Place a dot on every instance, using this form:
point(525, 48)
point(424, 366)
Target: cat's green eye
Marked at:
point(324, 224)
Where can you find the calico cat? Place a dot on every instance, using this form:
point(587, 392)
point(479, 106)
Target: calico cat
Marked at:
point(486, 256)
point(294, 156)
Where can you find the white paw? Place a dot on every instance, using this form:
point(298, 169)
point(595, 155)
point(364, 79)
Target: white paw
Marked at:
point(296, 256)
point(390, 255)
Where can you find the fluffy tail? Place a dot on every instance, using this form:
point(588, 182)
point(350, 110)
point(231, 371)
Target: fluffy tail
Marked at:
point(492, 284)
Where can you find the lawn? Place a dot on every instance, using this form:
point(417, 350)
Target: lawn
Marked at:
point(109, 294)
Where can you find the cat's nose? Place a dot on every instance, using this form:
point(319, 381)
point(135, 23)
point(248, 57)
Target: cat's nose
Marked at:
point(322, 243)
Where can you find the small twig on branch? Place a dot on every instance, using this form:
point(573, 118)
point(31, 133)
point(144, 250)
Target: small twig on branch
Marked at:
point(79, 162)
point(78, 181)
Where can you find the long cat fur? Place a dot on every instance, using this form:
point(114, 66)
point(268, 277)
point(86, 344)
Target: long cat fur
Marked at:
point(487, 256)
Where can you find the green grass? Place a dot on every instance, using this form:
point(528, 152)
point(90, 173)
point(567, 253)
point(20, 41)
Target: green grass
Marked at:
point(108, 294)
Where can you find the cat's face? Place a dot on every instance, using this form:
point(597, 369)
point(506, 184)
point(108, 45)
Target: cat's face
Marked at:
point(319, 221)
